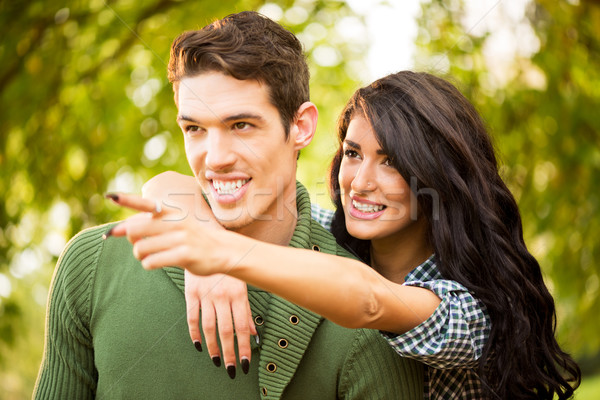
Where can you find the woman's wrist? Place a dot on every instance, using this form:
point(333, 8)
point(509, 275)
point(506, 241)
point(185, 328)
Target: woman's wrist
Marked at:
point(237, 252)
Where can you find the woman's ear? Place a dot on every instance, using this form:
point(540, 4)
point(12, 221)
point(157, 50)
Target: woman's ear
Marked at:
point(304, 126)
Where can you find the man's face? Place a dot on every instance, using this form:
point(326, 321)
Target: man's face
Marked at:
point(236, 146)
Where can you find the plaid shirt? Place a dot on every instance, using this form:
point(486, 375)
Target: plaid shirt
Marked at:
point(450, 341)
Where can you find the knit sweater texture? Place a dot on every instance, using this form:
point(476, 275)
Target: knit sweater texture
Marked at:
point(116, 331)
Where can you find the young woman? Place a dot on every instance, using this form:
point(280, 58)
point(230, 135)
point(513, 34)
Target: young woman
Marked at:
point(451, 283)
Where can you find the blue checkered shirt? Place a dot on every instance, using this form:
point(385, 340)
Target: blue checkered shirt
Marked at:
point(450, 341)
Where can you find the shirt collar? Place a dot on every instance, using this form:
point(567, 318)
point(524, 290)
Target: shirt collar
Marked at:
point(425, 272)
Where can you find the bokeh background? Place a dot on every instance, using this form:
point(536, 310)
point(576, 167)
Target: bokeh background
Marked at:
point(85, 108)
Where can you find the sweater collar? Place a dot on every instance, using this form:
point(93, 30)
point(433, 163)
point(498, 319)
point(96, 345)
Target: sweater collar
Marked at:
point(285, 319)
point(301, 237)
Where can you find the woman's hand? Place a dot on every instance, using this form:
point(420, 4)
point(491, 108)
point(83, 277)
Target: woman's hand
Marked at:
point(178, 192)
point(163, 237)
point(220, 297)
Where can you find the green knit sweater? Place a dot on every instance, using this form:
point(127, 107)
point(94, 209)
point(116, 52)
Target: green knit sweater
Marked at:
point(116, 331)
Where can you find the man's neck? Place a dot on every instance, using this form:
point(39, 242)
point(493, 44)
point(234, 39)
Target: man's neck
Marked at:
point(278, 225)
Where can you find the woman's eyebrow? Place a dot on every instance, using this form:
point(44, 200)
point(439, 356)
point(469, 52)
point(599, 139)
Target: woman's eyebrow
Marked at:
point(357, 147)
point(352, 144)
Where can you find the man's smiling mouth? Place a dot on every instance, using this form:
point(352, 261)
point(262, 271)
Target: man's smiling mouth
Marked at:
point(228, 187)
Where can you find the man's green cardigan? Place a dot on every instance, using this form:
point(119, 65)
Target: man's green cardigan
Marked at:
point(116, 331)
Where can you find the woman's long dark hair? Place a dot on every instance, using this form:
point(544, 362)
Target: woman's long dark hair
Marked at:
point(431, 132)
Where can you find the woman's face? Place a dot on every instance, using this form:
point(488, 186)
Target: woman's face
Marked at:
point(375, 197)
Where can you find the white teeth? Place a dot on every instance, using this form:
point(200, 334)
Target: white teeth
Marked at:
point(228, 187)
point(366, 208)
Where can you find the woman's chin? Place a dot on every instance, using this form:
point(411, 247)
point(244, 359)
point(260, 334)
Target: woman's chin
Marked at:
point(359, 233)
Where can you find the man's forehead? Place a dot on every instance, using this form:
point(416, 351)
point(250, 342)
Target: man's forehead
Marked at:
point(216, 93)
point(218, 84)
point(204, 112)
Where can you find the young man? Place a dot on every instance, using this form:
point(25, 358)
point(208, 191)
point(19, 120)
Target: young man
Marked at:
point(117, 331)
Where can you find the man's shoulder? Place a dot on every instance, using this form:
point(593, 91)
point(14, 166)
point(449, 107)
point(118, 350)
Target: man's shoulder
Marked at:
point(355, 341)
point(93, 234)
point(84, 250)
point(368, 366)
point(84, 243)
point(75, 271)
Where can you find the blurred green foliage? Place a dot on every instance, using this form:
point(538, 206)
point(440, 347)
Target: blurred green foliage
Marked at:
point(85, 108)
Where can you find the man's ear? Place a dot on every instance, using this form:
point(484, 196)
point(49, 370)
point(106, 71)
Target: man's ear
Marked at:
point(304, 126)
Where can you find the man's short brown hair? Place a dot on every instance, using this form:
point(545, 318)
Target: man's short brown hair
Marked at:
point(246, 45)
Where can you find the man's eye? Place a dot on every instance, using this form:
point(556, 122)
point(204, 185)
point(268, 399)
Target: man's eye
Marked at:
point(191, 129)
point(241, 125)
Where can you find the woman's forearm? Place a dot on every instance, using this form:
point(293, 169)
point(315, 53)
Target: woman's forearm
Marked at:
point(343, 290)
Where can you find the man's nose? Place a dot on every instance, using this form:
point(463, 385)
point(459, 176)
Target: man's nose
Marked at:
point(220, 152)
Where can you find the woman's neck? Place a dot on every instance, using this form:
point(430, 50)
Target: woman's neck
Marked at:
point(394, 257)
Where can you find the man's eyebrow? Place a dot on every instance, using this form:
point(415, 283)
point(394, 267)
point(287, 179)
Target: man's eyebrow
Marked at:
point(237, 117)
point(234, 117)
point(357, 147)
point(185, 118)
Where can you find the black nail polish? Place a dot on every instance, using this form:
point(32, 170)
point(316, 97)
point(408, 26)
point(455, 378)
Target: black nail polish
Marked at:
point(245, 365)
point(112, 196)
point(216, 361)
point(108, 233)
point(231, 371)
point(198, 345)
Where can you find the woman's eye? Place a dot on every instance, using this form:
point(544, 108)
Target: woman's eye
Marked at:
point(350, 153)
point(387, 162)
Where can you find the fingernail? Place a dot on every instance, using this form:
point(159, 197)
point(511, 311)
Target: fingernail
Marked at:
point(112, 196)
point(245, 365)
point(108, 233)
point(231, 371)
point(216, 361)
point(198, 345)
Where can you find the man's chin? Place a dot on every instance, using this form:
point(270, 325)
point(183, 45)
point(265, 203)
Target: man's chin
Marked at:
point(233, 221)
point(233, 225)
point(238, 222)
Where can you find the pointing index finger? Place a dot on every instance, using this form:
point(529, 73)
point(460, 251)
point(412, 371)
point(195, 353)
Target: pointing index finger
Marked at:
point(136, 202)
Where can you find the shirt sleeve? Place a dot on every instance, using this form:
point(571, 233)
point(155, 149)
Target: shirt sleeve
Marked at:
point(322, 215)
point(67, 370)
point(453, 336)
point(373, 371)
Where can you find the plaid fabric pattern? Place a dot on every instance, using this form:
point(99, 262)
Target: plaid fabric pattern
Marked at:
point(322, 215)
point(450, 341)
